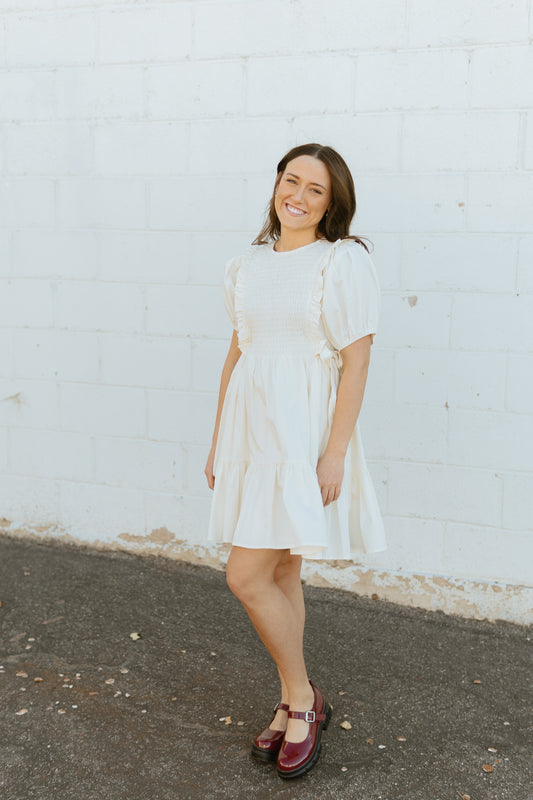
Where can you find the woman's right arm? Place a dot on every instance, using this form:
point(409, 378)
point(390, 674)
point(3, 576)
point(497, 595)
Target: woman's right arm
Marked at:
point(234, 353)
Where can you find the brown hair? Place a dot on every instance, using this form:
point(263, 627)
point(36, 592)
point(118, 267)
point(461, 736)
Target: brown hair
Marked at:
point(335, 224)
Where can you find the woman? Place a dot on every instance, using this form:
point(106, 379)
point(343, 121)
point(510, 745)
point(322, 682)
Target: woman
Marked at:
point(286, 464)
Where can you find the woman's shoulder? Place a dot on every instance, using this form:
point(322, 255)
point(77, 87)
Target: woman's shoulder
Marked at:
point(346, 254)
point(347, 243)
point(350, 252)
point(350, 265)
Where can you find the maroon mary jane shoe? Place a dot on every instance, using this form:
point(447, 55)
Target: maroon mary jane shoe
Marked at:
point(297, 758)
point(267, 743)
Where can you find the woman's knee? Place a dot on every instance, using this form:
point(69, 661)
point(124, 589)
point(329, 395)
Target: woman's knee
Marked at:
point(245, 587)
point(248, 576)
point(236, 579)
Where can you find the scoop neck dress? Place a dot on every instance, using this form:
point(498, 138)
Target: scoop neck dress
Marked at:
point(293, 312)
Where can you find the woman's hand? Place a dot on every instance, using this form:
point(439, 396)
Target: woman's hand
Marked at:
point(209, 468)
point(330, 471)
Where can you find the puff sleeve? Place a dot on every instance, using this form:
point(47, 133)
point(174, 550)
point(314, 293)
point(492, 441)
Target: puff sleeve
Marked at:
point(229, 281)
point(351, 301)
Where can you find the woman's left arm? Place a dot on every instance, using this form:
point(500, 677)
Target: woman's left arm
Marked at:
point(330, 467)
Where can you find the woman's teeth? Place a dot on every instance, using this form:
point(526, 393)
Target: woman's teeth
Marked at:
point(294, 211)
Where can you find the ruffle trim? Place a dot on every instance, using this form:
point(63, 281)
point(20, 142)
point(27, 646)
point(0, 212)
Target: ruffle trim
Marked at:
point(243, 331)
point(279, 505)
point(324, 349)
point(268, 505)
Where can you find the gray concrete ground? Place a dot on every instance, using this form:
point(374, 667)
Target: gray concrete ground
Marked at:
point(431, 698)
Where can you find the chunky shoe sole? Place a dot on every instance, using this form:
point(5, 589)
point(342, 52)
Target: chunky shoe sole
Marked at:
point(313, 758)
point(271, 753)
point(264, 755)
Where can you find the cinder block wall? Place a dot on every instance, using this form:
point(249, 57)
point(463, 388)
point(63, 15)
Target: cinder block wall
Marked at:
point(138, 144)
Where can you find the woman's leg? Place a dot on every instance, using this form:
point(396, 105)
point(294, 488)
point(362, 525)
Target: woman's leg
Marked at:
point(250, 576)
point(287, 577)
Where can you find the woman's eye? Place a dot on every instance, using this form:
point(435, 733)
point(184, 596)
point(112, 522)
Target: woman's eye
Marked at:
point(291, 180)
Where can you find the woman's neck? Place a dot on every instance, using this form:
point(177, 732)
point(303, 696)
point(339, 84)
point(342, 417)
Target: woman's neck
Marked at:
point(290, 240)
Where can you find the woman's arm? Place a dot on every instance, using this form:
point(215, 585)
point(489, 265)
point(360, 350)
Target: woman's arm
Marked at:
point(330, 467)
point(233, 356)
point(355, 362)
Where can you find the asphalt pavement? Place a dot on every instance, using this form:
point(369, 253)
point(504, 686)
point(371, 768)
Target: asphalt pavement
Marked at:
point(127, 677)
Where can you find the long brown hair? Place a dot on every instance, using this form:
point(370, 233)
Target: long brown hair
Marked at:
point(335, 224)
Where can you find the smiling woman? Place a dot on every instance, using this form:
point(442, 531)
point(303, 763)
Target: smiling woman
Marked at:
point(287, 465)
point(315, 180)
point(301, 201)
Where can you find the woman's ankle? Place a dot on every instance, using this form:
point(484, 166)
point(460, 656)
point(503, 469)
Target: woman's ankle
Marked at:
point(280, 720)
point(302, 698)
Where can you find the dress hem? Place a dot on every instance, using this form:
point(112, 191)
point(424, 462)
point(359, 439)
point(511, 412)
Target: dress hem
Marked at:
point(315, 555)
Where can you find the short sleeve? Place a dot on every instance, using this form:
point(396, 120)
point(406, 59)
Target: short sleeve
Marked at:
point(351, 301)
point(229, 281)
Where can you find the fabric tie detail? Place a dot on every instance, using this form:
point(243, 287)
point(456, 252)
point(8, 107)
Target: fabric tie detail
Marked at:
point(325, 353)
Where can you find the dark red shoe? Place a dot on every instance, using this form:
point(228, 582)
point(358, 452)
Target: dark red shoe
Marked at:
point(267, 743)
point(297, 758)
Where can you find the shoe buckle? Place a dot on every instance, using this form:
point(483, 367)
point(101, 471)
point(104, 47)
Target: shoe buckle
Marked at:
point(309, 716)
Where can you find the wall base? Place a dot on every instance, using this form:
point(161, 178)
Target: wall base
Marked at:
point(474, 599)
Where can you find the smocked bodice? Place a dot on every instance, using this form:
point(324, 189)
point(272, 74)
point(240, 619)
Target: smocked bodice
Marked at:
point(285, 281)
point(278, 299)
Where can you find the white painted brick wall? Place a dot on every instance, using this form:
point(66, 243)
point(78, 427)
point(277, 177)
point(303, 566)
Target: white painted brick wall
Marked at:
point(50, 148)
point(50, 39)
point(138, 143)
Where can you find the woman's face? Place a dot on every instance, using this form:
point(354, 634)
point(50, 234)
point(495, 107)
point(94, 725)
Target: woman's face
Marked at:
point(303, 194)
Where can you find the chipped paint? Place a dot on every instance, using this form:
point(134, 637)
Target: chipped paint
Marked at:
point(157, 536)
point(475, 599)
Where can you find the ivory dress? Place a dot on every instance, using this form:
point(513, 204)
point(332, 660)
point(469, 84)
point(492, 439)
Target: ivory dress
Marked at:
point(293, 311)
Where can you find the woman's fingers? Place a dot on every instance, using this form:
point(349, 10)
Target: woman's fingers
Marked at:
point(330, 494)
point(330, 473)
point(210, 477)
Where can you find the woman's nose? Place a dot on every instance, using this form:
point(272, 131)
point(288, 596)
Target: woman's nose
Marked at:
point(298, 194)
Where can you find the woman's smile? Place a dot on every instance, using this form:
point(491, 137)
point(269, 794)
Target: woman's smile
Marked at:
point(293, 211)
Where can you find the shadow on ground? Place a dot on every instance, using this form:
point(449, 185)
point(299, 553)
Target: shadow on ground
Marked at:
point(440, 706)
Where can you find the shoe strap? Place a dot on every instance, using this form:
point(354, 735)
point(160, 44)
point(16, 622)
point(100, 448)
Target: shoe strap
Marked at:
point(308, 716)
point(281, 707)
